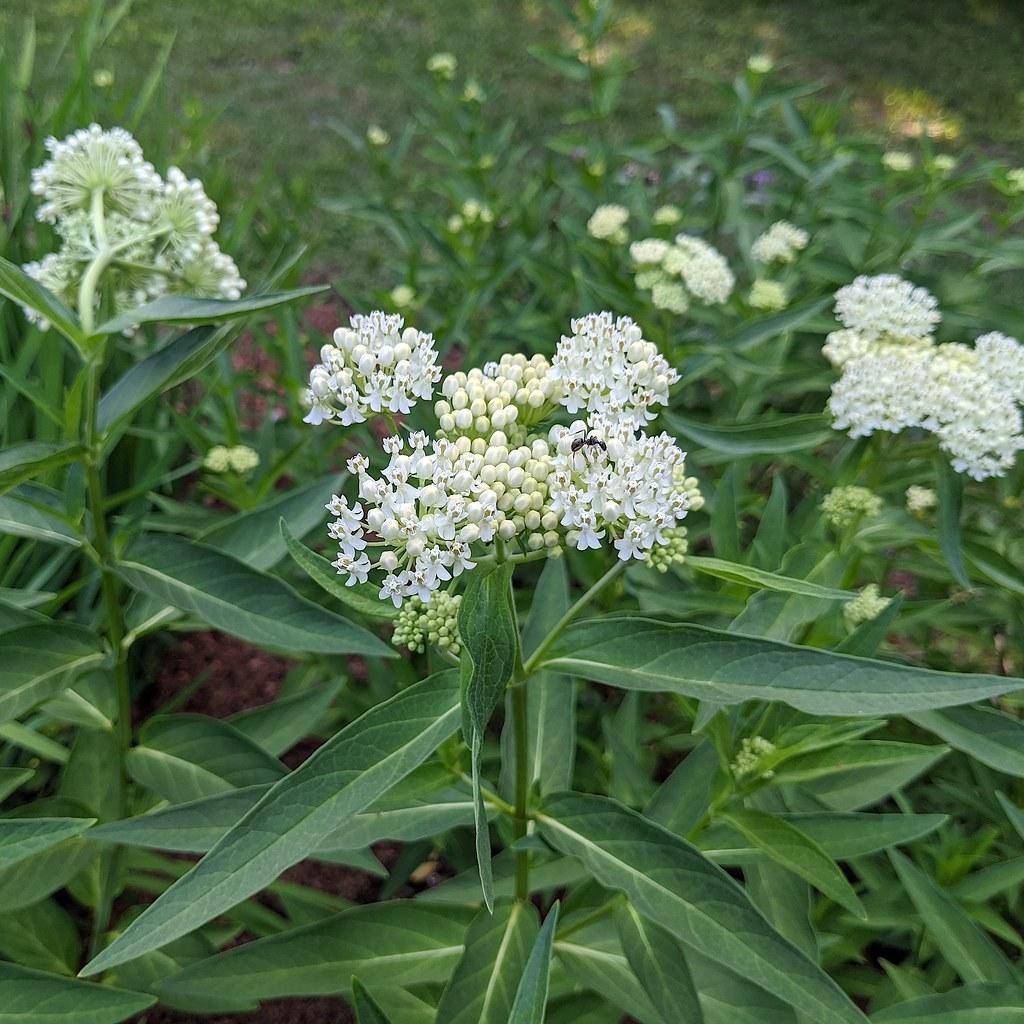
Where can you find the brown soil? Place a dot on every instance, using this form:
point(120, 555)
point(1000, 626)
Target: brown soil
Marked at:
point(284, 1011)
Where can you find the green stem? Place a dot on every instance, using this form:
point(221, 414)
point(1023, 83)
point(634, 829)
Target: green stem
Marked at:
point(520, 817)
point(114, 625)
point(545, 645)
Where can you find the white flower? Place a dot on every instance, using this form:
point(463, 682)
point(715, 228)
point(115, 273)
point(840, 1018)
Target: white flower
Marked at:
point(217, 459)
point(844, 506)
point(605, 366)
point(867, 605)
point(443, 65)
point(609, 222)
point(667, 215)
point(670, 296)
point(768, 295)
point(377, 136)
point(1015, 181)
point(402, 295)
point(243, 459)
point(649, 251)
point(373, 366)
point(780, 243)
point(210, 273)
point(186, 212)
point(887, 304)
point(944, 163)
point(760, 63)
point(1002, 359)
point(920, 499)
point(91, 161)
point(898, 161)
point(702, 267)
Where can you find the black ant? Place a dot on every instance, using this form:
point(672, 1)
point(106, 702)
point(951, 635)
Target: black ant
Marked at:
point(596, 442)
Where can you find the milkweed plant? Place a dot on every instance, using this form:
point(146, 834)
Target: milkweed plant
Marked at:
point(646, 570)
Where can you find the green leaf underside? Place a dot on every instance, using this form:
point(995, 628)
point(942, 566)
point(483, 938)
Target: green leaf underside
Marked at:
point(972, 1004)
point(184, 309)
point(395, 943)
point(483, 986)
point(532, 995)
point(750, 576)
point(21, 838)
point(32, 997)
point(21, 462)
point(296, 815)
point(784, 843)
point(234, 597)
point(39, 661)
point(644, 654)
point(672, 884)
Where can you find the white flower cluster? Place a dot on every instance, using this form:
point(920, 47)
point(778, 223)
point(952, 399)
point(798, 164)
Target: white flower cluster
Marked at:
point(771, 296)
point(867, 605)
point(895, 377)
point(496, 472)
point(609, 223)
point(676, 272)
point(920, 500)
point(374, 366)
point(749, 760)
point(779, 244)
point(606, 367)
point(105, 199)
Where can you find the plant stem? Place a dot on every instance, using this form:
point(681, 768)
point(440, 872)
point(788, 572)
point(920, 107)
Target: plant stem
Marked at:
point(538, 655)
point(520, 709)
point(114, 625)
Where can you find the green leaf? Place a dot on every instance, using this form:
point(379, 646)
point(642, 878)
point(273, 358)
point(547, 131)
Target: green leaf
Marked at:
point(841, 836)
point(402, 942)
point(967, 949)
point(483, 986)
point(779, 436)
point(186, 757)
point(36, 512)
point(21, 838)
point(343, 777)
point(659, 962)
point(972, 1004)
point(784, 843)
point(255, 536)
point(674, 885)
point(361, 598)
point(532, 995)
point(183, 309)
point(1013, 812)
point(750, 335)
point(232, 596)
point(551, 708)
point(21, 462)
point(489, 648)
point(761, 579)
point(26, 291)
point(683, 798)
point(43, 936)
point(990, 736)
point(32, 997)
point(38, 661)
point(367, 1010)
point(643, 654)
point(951, 493)
point(278, 726)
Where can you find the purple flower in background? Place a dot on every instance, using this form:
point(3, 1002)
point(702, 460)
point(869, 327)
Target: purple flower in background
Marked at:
point(758, 183)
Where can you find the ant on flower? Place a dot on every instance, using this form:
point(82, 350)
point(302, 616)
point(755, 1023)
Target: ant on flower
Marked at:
point(588, 439)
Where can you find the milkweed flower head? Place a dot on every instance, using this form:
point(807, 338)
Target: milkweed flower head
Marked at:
point(844, 506)
point(608, 223)
point(867, 605)
point(770, 296)
point(375, 365)
point(920, 500)
point(897, 160)
point(894, 376)
point(750, 758)
point(680, 272)
point(498, 467)
point(779, 244)
point(239, 458)
point(154, 234)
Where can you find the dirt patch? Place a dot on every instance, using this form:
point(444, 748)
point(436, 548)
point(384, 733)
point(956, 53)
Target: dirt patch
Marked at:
point(283, 1011)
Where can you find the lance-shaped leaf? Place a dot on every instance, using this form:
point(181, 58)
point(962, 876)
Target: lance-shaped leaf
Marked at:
point(968, 950)
point(659, 962)
point(367, 1009)
point(401, 942)
point(991, 736)
point(32, 997)
point(531, 999)
point(672, 884)
point(762, 437)
point(643, 654)
point(787, 845)
point(761, 579)
point(297, 814)
point(360, 598)
point(234, 597)
point(21, 838)
point(184, 309)
point(27, 291)
point(489, 645)
point(972, 1004)
point(37, 512)
point(38, 661)
point(483, 986)
point(21, 462)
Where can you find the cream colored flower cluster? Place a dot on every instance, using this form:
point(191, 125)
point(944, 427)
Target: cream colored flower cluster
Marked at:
point(844, 506)
point(155, 235)
point(678, 272)
point(498, 470)
point(239, 458)
point(867, 605)
point(894, 376)
point(779, 244)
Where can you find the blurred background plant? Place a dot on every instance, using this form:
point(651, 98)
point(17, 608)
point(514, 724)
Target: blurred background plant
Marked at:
point(487, 175)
